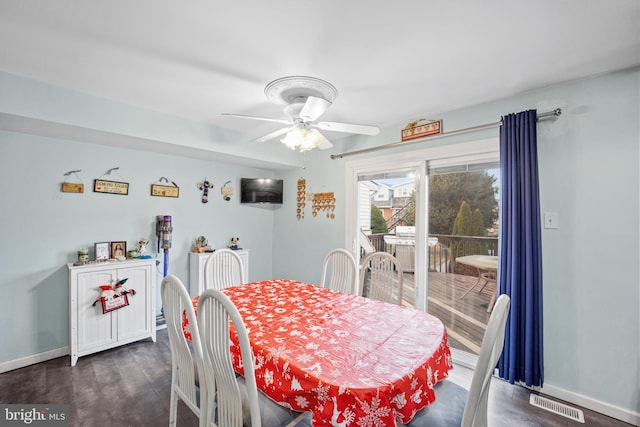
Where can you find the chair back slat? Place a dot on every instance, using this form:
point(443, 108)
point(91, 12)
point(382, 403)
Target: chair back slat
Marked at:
point(215, 311)
point(475, 410)
point(385, 277)
point(187, 366)
point(223, 268)
point(339, 271)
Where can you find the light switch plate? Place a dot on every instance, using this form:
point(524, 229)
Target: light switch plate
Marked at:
point(550, 220)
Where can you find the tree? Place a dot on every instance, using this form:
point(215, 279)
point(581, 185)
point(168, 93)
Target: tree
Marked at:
point(447, 191)
point(477, 223)
point(462, 225)
point(409, 217)
point(378, 224)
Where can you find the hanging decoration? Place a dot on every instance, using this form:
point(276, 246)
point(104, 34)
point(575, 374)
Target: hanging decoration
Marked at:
point(165, 190)
point(68, 187)
point(112, 187)
point(302, 185)
point(204, 186)
point(226, 190)
point(324, 202)
point(114, 297)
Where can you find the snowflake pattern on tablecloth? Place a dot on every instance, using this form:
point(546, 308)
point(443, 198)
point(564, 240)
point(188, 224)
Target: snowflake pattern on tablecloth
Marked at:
point(348, 359)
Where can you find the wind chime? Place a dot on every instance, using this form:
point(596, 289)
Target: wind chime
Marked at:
point(324, 202)
point(302, 189)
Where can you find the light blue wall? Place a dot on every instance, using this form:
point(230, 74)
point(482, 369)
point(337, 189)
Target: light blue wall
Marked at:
point(589, 162)
point(44, 228)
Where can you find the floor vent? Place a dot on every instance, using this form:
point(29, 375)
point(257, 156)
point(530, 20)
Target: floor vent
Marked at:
point(557, 408)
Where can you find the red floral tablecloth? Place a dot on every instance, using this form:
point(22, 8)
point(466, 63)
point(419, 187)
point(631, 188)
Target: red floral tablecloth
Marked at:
point(350, 360)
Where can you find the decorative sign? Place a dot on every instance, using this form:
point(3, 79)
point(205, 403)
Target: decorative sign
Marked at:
point(164, 190)
point(417, 130)
point(68, 187)
point(112, 187)
point(226, 190)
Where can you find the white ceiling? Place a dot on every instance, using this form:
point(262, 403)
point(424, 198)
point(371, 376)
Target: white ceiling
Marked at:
point(392, 61)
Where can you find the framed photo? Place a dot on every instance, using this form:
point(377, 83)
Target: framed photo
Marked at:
point(118, 249)
point(102, 251)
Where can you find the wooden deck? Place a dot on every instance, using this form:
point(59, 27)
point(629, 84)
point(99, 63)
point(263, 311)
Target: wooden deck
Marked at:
point(465, 319)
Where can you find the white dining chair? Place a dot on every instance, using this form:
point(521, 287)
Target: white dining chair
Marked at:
point(233, 400)
point(223, 268)
point(454, 405)
point(384, 275)
point(187, 366)
point(339, 271)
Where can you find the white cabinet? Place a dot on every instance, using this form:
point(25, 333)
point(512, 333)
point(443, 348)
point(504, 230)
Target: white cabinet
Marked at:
point(91, 330)
point(196, 270)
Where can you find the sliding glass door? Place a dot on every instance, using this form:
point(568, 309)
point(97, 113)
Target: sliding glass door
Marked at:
point(437, 211)
point(463, 248)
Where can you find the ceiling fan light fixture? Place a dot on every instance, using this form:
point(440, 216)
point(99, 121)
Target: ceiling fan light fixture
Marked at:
point(302, 139)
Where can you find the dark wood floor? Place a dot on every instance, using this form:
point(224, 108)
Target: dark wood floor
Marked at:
point(129, 386)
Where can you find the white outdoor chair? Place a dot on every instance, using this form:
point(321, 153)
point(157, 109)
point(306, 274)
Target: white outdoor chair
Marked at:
point(454, 405)
point(385, 277)
point(342, 275)
point(222, 269)
point(187, 367)
point(233, 400)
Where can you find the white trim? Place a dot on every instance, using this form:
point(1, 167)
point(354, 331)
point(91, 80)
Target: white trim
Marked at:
point(599, 406)
point(34, 358)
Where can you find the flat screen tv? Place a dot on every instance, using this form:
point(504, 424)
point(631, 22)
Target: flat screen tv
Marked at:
point(261, 190)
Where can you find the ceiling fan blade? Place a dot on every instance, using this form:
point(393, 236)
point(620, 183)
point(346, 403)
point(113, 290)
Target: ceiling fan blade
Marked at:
point(264, 119)
point(349, 128)
point(273, 134)
point(313, 108)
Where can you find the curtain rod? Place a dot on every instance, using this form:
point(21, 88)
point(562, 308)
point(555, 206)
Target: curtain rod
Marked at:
point(549, 114)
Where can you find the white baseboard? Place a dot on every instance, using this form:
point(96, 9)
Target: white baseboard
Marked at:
point(33, 359)
point(605, 408)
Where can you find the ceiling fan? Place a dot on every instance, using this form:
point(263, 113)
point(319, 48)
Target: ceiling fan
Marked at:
point(305, 99)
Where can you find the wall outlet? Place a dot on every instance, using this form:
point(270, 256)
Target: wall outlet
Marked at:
point(550, 220)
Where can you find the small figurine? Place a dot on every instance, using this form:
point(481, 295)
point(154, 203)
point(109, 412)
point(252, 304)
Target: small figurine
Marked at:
point(202, 245)
point(142, 246)
point(233, 244)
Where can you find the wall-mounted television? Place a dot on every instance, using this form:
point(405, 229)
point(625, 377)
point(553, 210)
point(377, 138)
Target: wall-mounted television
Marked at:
point(261, 190)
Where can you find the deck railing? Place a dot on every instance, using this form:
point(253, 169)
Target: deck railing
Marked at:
point(448, 247)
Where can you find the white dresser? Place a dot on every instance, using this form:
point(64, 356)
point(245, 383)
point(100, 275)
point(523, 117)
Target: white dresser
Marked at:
point(196, 270)
point(91, 330)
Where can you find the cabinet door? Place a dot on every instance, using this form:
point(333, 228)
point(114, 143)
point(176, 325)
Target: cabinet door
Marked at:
point(95, 329)
point(135, 319)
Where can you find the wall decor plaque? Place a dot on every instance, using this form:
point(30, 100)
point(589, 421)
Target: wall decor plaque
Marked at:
point(164, 190)
point(419, 130)
point(68, 187)
point(112, 187)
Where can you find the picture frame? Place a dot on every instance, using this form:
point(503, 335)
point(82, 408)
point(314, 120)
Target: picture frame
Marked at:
point(102, 251)
point(118, 249)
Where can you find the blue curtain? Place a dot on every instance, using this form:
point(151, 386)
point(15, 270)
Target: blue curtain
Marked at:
point(520, 259)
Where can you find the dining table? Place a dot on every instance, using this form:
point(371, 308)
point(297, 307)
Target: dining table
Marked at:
point(347, 359)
